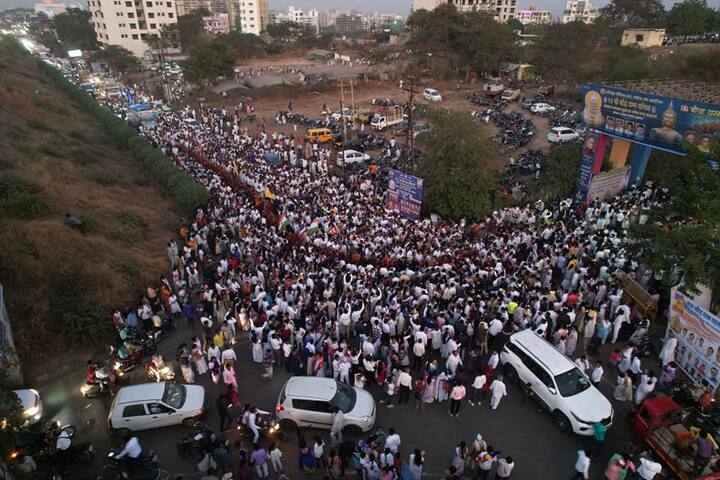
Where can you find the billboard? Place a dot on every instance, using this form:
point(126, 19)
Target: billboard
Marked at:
point(586, 167)
point(658, 122)
point(404, 193)
point(608, 184)
point(698, 335)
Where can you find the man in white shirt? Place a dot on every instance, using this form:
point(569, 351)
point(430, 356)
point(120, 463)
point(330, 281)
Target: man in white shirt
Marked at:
point(392, 441)
point(648, 469)
point(452, 362)
point(582, 467)
point(497, 391)
point(405, 383)
point(418, 354)
point(597, 374)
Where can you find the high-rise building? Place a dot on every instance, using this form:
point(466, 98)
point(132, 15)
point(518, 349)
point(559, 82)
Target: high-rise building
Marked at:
point(186, 6)
point(579, 11)
point(131, 23)
point(533, 16)
point(216, 23)
point(249, 16)
point(310, 18)
point(501, 10)
point(345, 23)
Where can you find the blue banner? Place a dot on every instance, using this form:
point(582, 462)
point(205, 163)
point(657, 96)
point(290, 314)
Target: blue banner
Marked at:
point(404, 193)
point(659, 122)
point(586, 168)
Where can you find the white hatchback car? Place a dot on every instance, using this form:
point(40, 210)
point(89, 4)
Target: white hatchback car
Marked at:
point(154, 405)
point(352, 156)
point(346, 112)
point(311, 402)
point(542, 108)
point(562, 135)
point(432, 95)
point(558, 384)
point(32, 407)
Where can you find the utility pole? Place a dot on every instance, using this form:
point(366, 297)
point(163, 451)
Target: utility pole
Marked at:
point(344, 123)
point(410, 89)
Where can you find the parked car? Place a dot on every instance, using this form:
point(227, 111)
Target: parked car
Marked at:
point(311, 402)
point(432, 95)
point(352, 156)
point(527, 103)
point(510, 95)
point(557, 383)
point(154, 405)
point(31, 404)
point(338, 115)
point(562, 135)
point(542, 108)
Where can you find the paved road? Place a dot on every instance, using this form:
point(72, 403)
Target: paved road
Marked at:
point(521, 431)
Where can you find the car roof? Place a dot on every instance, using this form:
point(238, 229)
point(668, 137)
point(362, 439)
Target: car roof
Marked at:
point(142, 392)
point(559, 129)
point(542, 351)
point(311, 387)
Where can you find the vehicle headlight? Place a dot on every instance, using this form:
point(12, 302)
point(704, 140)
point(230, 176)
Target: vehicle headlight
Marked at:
point(165, 370)
point(32, 411)
point(580, 419)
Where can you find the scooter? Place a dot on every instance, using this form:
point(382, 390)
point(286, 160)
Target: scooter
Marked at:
point(106, 380)
point(198, 441)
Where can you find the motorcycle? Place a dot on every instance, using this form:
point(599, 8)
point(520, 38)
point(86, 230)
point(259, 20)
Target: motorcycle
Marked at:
point(106, 380)
point(267, 424)
point(198, 441)
point(165, 373)
point(145, 467)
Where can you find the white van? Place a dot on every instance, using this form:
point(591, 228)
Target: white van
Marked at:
point(558, 384)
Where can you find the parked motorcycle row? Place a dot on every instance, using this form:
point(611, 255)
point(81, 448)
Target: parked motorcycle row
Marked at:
point(515, 130)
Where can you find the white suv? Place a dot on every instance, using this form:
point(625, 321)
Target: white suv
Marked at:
point(153, 405)
point(562, 135)
point(559, 386)
point(311, 402)
point(542, 108)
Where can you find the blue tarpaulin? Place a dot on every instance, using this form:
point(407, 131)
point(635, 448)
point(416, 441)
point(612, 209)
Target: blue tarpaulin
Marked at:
point(272, 158)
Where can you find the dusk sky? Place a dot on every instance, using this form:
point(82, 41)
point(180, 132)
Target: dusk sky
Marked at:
point(397, 6)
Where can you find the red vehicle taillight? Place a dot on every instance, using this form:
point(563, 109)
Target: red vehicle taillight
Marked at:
point(279, 408)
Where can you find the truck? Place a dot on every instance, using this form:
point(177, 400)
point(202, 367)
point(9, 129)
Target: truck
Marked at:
point(669, 430)
point(510, 95)
point(390, 116)
point(493, 89)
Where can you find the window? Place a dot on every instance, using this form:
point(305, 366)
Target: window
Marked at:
point(131, 15)
point(572, 382)
point(156, 408)
point(153, 25)
point(134, 36)
point(311, 405)
point(168, 4)
point(345, 396)
point(149, 4)
point(174, 395)
point(151, 15)
point(133, 26)
point(170, 15)
point(134, 410)
point(128, 4)
point(639, 38)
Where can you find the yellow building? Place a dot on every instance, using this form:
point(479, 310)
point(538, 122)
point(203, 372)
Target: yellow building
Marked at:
point(643, 37)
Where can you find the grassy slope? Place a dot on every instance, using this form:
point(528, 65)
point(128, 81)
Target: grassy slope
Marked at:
point(57, 159)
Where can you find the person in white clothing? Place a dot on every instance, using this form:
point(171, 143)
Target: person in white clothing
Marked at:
point(497, 391)
point(582, 467)
point(667, 354)
point(393, 441)
point(648, 469)
point(645, 387)
point(597, 373)
point(494, 360)
point(276, 458)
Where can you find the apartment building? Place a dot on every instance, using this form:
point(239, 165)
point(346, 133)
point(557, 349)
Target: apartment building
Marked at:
point(52, 9)
point(216, 23)
point(186, 6)
point(533, 16)
point(249, 16)
point(129, 23)
point(501, 10)
point(428, 5)
point(579, 11)
point(346, 23)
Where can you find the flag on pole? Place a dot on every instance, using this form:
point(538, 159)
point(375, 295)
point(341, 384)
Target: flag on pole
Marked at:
point(312, 228)
point(284, 222)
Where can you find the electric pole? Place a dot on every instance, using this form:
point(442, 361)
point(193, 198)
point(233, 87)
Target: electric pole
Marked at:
point(410, 89)
point(344, 124)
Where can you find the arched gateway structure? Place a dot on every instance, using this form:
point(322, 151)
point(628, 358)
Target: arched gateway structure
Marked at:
point(632, 119)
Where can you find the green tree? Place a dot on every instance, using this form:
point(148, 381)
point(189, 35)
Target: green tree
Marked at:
point(454, 167)
point(118, 58)
point(563, 48)
point(243, 45)
point(190, 27)
point(691, 17)
point(483, 44)
point(437, 30)
point(558, 174)
point(75, 30)
point(290, 31)
point(209, 59)
point(633, 14)
point(11, 416)
point(681, 239)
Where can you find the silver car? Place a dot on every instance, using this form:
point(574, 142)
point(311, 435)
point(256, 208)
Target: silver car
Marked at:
point(312, 401)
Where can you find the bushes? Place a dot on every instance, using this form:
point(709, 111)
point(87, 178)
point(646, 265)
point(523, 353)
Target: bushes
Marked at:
point(19, 199)
point(181, 187)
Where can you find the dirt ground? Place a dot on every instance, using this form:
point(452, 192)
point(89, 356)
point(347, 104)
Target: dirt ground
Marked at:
point(60, 153)
point(308, 101)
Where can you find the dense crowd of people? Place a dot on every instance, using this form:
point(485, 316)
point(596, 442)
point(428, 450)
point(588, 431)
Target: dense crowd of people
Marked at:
point(326, 281)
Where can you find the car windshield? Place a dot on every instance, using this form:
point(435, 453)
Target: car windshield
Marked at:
point(174, 395)
point(572, 382)
point(344, 398)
